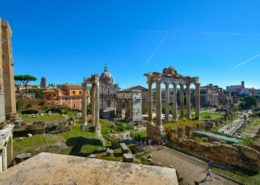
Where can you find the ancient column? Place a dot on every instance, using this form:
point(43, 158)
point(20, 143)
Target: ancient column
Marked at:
point(93, 115)
point(10, 151)
point(2, 97)
point(166, 101)
point(8, 72)
point(188, 101)
point(175, 103)
point(197, 101)
point(181, 101)
point(158, 104)
point(4, 159)
point(84, 106)
point(97, 102)
point(150, 101)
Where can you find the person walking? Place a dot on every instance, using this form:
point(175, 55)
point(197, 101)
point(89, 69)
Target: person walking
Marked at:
point(208, 177)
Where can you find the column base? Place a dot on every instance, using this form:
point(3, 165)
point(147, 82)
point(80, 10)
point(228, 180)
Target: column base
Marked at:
point(84, 126)
point(100, 137)
point(156, 132)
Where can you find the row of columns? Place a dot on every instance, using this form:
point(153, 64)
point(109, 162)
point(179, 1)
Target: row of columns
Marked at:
point(174, 100)
point(94, 98)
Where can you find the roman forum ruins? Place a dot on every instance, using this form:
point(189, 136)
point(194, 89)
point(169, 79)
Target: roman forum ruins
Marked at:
point(94, 81)
point(7, 96)
point(170, 77)
point(7, 88)
point(94, 102)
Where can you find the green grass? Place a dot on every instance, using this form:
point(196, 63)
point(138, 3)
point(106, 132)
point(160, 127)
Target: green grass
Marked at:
point(246, 141)
point(238, 176)
point(54, 117)
point(79, 142)
point(211, 116)
point(180, 123)
point(29, 144)
point(114, 127)
point(139, 134)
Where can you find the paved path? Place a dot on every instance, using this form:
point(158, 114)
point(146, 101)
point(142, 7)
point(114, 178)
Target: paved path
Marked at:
point(231, 128)
point(189, 169)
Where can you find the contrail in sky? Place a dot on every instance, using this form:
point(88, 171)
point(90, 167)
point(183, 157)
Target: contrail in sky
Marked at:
point(246, 61)
point(155, 51)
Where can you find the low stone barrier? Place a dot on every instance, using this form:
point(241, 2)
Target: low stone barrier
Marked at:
point(227, 155)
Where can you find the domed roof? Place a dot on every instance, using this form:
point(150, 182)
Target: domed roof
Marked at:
point(106, 77)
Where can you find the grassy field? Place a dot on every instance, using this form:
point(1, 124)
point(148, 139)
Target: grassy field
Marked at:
point(54, 117)
point(251, 129)
point(114, 127)
point(203, 116)
point(239, 176)
point(80, 143)
point(210, 116)
point(180, 123)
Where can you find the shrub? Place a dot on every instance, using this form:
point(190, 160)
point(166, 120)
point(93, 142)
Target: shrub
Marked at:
point(246, 141)
point(30, 127)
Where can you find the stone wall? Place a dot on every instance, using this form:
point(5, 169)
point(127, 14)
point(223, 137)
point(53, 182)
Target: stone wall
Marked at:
point(226, 155)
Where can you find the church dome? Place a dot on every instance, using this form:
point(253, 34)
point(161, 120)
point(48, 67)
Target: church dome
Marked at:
point(106, 77)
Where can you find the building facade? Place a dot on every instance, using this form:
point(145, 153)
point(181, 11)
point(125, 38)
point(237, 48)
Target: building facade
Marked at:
point(144, 93)
point(210, 95)
point(68, 95)
point(130, 105)
point(108, 90)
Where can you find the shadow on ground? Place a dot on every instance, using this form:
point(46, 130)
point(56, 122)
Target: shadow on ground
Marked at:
point(78, 142)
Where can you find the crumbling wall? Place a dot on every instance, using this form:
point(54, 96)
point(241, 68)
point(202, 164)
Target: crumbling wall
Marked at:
point(227, 155)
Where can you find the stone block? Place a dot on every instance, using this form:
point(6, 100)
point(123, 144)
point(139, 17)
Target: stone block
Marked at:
point(124, 148)
point(128, 157)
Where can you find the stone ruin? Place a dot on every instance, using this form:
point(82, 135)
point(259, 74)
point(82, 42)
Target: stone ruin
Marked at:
point(170, 77)
point(95, 122)
point(6, 147)
point(7, 88)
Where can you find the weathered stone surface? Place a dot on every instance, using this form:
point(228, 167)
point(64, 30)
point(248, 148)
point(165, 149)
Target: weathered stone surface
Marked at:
point(129, 158)
point(7, 66)
point(156, 132)
point(62, 169)
point(124, 148)
point(228, 155)
point(22, 157)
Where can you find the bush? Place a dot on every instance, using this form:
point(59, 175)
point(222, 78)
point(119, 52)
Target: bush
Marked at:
point(30, 127)
point(19, 105)
point(246, 141)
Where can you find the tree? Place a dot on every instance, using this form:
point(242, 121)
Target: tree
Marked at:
point(23, 80)
point(249, 102)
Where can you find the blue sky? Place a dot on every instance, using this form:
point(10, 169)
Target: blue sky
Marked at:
point(65, 40)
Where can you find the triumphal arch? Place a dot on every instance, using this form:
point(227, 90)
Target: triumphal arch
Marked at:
point(170, 77)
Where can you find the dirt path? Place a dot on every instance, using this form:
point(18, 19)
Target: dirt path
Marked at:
point(189, 169)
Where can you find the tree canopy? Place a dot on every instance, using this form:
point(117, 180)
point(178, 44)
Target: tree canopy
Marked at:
point(249, 102)
point(23, 80)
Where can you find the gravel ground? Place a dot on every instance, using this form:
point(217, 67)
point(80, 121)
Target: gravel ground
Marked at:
point(189, 169)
